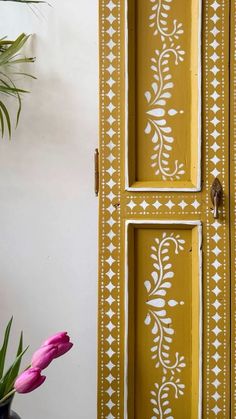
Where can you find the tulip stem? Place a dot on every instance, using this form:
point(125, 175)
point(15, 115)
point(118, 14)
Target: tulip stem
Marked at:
point(7, 396)
point(12, 391)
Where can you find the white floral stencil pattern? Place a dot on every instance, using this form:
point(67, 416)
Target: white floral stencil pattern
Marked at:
point(161, 91)
point(159, 397)
point(160, 321)
point(159, 21)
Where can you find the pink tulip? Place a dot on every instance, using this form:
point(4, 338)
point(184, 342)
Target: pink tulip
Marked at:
point(44, 356)
point(29, 380)
point(61, 337)
point(61, 341)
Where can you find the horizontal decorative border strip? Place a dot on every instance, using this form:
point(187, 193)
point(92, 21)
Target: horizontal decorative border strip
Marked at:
point(188, 204)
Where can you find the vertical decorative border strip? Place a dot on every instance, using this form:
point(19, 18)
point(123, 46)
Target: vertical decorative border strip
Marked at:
point(109, 343)
point(232, 205)
point(217, 366)
point(216, 273)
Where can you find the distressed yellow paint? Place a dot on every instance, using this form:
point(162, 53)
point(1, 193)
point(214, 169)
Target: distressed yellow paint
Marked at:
point(170, 109)
point(232, 204)
point(182, 303)
point(119, 205)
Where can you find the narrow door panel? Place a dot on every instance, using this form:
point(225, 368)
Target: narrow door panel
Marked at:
point(143, 205)
point(233, 206)
point(164, 94)
point(163, 294)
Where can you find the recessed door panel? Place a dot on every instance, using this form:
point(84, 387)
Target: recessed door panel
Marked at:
point(164, 320)
point(140, 203)
point(164, 94)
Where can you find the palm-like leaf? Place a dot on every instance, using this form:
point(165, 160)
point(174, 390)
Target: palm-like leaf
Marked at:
point(3, 350)
point(10, 59)
point(7, 378)
point(24, 1)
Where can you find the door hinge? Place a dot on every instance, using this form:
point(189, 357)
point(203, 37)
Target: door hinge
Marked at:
point(96, 171)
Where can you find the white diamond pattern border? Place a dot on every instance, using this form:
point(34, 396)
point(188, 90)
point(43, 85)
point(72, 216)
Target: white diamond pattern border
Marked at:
point(110, 164)
point(216, 283)
point(216, 231)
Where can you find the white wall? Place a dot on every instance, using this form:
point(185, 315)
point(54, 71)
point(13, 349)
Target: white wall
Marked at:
point(48, 212)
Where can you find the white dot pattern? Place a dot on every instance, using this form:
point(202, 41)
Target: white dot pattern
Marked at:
point(116, 204)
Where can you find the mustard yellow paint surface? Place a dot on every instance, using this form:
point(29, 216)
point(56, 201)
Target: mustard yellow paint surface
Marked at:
point(232, 204)
point(139, 378)
point(159, 312)
point(164, 55)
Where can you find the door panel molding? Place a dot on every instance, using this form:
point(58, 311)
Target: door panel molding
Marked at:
point(163, 126)
point(164, 336)
point(118, 205)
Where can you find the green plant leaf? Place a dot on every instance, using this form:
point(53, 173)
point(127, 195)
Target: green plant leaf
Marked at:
point(7, 382)
point(10, 59)
point(5, 114)
point(13, 371)
point(19, 351)
point(2, 123)
point(6, 377)
point(25, 1)
point(26, 75)
point(10, 52)
point(11, 90)
point(3, 350)
point(14, 91)
point(22, 61)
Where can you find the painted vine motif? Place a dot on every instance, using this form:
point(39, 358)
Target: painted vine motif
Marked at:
point(159, 21)
point(161, 91)
point(159, 320)
point(159, 400)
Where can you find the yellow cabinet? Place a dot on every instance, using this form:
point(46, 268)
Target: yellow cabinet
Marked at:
point(167, 192)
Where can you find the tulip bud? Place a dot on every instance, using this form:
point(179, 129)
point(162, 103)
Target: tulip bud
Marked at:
point(61, 341)
point(29, 380)
point(61, 337)
point(44, 356)
point(63, 348)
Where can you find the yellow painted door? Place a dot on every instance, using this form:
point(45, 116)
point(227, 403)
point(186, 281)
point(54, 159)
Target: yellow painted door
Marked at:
point(232, 176)
point(166, 281)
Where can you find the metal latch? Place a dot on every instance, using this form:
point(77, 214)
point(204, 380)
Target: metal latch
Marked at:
point(96, 171)
point(216, 196)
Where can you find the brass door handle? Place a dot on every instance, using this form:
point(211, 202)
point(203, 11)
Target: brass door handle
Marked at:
point(216, 196)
